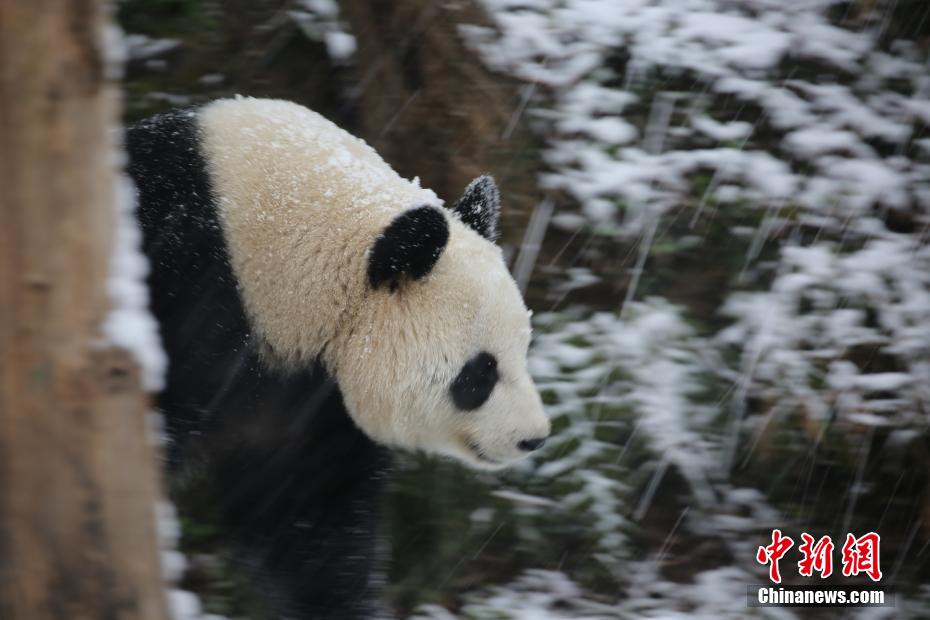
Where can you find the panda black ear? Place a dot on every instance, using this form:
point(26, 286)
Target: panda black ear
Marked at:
point(410, 245)
point(480, 206)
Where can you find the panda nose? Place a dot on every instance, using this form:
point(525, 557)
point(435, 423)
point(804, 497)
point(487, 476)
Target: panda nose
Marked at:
point(528, 445)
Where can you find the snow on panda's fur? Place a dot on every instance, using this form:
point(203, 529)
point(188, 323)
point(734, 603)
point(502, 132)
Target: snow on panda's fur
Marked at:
point(295, 190)
point(301, 283)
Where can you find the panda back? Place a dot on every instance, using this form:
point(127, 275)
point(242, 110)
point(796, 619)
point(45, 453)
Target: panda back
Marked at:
point(194, 293)
point(270, 453)
point(300, 201)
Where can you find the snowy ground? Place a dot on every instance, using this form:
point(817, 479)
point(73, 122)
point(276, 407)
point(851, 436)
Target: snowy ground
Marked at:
point(806, 117)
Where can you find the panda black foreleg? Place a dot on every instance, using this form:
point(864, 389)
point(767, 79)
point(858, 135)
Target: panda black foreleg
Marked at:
point(299, 488)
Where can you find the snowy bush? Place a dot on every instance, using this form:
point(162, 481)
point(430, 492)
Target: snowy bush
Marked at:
point(799, 130)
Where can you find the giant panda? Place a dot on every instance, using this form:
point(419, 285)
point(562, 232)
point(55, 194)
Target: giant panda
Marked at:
point(318, 310)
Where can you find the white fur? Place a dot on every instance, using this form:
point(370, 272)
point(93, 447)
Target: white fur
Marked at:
point(301, 203)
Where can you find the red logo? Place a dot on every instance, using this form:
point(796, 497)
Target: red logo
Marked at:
point(773, 553)
point(817, 557)
point(860, 555)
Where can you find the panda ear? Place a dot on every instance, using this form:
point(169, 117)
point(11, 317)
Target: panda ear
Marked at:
point(410, 245)
point(480, 206)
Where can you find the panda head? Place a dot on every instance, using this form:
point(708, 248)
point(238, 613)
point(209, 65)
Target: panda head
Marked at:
point(435, 357)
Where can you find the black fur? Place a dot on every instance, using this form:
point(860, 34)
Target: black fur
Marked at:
point(410, 245)
point(272, 456)
point(480, 206)
point(475, 382)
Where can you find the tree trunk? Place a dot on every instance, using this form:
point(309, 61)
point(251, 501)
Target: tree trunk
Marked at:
point(77, 468)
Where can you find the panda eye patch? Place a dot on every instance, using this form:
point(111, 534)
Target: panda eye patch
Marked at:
point(474, 383)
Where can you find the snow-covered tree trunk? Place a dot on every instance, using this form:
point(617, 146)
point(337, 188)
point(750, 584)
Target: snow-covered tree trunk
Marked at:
point(78, 480)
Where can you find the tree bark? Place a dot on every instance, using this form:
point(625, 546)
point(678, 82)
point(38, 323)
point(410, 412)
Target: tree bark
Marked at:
point(78, 480)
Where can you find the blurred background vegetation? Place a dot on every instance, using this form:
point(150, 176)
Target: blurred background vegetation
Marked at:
point(719, 209)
